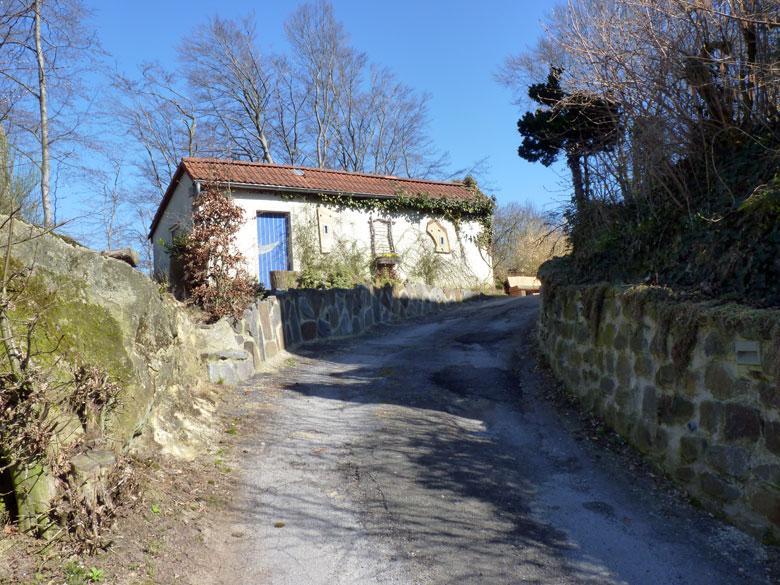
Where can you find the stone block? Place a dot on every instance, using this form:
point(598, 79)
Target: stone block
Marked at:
point(715, 344)
point(691, 383)
point(309, 330)
point(581, 335)
point(766, 502)
point(728, 460)
point(769, 394)
point(666, 376)
point(255, 352)
point(741, 422)
point(674, 409)
point(624, 398)
point(621, 341)
point(607, 386)
point(570, 309)
point(305, 310)
point(623, 370)
point(719, 381)
point(661, 442)
point(230, 372)
point(768, 473)
point(606, 336)
point(345, 325)
point(717, 488)
point(650, 403)
point(639, 343)
point(624, 424)
point(266, 329)
point(691, 448)
point(772, 436)
point(659, 345)
point(368, 317)
point(324, 328)
point(643, 366)
point(644, 436)
point(271, 349)
point(710, 416)
point(685, 474)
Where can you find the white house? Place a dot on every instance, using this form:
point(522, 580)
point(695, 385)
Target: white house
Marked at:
point(282, 203)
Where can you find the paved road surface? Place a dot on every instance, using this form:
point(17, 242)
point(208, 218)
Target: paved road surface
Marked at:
point(426, 454)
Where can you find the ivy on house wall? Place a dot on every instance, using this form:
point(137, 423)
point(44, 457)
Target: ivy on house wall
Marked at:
point(477, 208)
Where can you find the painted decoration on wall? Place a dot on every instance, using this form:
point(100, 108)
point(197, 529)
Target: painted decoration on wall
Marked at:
point(326, 222)
point(438, 234)
point(272, 244)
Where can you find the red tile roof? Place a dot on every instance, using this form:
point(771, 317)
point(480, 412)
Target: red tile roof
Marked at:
point(306, 180)
point(316, 180)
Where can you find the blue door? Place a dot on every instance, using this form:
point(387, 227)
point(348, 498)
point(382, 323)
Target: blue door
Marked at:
point(272, 243)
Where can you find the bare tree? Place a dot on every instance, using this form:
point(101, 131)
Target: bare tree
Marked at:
point(48, 215)
point(232, 83)
point(357, 116)
point(320, 48)
point(523, 238)
point(16, 190)
point(45, 47)
point(163, 119)
point(288, 113)
point(690, 77)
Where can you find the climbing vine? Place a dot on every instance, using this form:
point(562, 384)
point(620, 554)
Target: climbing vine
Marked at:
point(478, 208)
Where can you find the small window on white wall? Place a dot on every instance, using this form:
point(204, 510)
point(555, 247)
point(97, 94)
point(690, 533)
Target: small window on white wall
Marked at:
point(438, 234)
point(325, 221)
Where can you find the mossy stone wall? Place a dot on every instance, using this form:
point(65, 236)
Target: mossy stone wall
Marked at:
point(102, 312)
point(309, 314)
point(235, 350)
point(695, 386)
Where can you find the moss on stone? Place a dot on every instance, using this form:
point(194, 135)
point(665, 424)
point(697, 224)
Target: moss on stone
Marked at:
point(606, 335)
point(69, 327)
point(593, 298)
point(719, 381)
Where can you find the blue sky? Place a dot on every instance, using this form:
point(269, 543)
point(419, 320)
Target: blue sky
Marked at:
point(448, 49)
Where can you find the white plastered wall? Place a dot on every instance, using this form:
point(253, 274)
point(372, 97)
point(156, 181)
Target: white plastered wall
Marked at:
point(465, 266)
point(176, 218)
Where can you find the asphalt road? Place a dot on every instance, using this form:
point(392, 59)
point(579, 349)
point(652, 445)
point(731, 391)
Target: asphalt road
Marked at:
point(427, 453)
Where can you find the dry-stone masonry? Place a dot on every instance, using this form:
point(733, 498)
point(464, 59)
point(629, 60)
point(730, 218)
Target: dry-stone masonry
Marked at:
point(237, 349)
point(695, 386)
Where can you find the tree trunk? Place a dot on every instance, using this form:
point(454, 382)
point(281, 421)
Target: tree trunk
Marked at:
point(48, 219)
point(267, 158)
point(577, 181)
point(34, 491)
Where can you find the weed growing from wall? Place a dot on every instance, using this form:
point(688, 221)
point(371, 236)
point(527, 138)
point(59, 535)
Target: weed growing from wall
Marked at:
point(53, 407)
point(345, 266)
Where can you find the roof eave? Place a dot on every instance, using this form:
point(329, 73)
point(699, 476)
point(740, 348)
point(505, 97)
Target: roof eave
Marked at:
point(181, 169)
point(301, 190)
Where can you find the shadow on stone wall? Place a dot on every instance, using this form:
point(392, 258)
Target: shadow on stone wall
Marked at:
point(694, 386)
point(282, 322)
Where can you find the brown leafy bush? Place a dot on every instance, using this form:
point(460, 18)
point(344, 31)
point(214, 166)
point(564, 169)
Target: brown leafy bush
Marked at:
point(214, 273)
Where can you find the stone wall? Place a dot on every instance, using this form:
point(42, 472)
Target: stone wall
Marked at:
point(308, 315)
point(99, 311)
point(282, 322)
point(694, 386)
